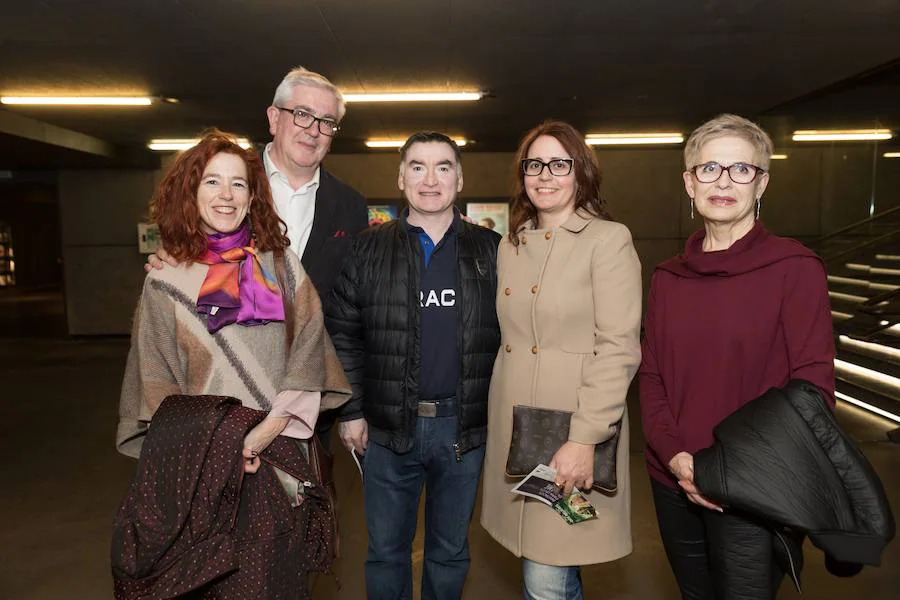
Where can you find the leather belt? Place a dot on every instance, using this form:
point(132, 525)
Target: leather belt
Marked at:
point(445, 407)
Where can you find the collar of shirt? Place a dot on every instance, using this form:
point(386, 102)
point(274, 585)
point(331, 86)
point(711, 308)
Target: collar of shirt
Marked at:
point(425, 242)
point(410, 228)
point(272, 171)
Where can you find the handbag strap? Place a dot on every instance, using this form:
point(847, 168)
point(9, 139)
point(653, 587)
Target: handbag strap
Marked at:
point(321, 461)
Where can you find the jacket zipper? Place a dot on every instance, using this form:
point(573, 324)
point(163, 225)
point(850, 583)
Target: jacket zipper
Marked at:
point(415, 272)
point(457, 447)
point(790, 558)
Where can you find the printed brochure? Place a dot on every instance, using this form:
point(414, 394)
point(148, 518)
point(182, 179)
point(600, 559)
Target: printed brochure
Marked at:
point(539, 484)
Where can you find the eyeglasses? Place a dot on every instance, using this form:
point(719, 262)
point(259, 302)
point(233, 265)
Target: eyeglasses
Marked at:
point(738, 172)
point(559, 167)
point(305, 120)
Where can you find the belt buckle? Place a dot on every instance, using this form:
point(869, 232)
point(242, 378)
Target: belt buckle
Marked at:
point(428, 409)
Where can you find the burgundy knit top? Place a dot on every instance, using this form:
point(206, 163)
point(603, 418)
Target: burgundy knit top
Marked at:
point(722, 328)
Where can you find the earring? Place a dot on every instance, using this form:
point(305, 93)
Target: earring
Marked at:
point(758, 203)
point(692, 209)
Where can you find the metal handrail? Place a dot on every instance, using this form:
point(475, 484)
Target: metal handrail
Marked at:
point(865, 221)
point(849, 251)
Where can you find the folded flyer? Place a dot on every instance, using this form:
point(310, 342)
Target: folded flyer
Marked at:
point(539, 484)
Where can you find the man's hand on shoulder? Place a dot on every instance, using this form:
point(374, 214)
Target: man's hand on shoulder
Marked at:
point(160, 259)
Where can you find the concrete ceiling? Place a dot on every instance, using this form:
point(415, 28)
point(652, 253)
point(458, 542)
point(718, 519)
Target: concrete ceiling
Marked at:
point(602, 65)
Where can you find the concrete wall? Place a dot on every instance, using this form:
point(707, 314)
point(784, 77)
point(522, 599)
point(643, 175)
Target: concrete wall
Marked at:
point(103, 271)
point(816, 190)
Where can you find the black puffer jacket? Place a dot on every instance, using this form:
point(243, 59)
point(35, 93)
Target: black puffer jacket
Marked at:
point(373, 318)
point(783, 457)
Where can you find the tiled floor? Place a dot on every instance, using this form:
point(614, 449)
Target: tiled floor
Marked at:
point(62, 480)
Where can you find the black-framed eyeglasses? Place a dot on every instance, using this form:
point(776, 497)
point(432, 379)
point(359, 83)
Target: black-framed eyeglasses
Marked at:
point(559, 167)
point(738, 172)
point(305, 120)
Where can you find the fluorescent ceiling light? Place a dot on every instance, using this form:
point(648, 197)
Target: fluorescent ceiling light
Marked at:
point(891, 155)
point(399, 143)
point(842, 135)
point(779, 157)
point(77, 100)
point(164, 145)
point(415, 97)
point(628, 139)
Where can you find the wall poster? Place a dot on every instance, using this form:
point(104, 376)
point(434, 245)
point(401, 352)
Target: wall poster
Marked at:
point(493, 215)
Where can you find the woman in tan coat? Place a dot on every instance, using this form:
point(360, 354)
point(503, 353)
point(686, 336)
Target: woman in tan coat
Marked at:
point(569, 304)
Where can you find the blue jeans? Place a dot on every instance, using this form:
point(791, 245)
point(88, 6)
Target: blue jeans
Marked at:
point(549, 582)
point(393, 484)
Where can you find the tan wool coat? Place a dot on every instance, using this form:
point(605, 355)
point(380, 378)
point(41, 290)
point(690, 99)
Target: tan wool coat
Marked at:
point(569, 304)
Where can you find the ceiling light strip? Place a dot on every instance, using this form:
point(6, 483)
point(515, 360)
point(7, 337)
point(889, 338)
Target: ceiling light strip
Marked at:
point(891, 155)
point(779, 157)
point(76, 100)
point(842, 135)
point(169, 145)
point(415, 97)
point(397, 143)
point(631, 139)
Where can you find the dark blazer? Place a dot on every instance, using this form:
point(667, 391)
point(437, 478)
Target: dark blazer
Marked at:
point(340, 214)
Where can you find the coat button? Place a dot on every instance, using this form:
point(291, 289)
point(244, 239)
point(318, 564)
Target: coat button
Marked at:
point(534, 349)
point(534, 289)
point(507, 291)
point(508, 348)
point(547, 235)
point(524, 240)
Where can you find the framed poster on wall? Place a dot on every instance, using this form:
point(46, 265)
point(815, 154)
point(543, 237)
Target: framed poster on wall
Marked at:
point(493, 215)
point(148, 238)
point(382, 213)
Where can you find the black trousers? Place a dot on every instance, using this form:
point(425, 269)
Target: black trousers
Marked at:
point(715, 556)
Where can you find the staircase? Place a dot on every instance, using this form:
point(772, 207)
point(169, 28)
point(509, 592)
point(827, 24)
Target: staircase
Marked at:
point(863, 261)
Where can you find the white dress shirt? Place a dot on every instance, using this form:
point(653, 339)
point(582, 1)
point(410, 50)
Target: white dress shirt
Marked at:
point(295, 207)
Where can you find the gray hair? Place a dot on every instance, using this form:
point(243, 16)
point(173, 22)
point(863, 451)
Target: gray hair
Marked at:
point(729, 125)
point(302, 76)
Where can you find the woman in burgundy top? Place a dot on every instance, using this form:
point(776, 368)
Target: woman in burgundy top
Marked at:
point(738, 312)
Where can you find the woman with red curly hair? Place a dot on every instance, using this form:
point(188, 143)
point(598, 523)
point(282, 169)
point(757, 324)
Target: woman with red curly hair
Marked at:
point(217, 325)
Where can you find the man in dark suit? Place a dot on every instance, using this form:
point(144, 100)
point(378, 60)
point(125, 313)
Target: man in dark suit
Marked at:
point(322, 213)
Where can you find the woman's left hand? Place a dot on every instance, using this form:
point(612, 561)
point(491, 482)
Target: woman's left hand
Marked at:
point(574, 464)
point(259, 439)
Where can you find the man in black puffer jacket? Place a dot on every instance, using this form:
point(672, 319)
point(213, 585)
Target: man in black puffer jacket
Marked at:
point(413, 319)
point(783, 460)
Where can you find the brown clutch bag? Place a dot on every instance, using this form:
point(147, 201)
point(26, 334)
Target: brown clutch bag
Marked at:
point(539, 432)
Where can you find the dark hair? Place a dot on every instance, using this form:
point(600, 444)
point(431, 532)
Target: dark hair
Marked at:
point(174, 203)
point(430, 136)
point(587, 176)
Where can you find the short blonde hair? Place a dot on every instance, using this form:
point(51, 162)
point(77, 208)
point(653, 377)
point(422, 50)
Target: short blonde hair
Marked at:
point(302, 76)
point(729, 125)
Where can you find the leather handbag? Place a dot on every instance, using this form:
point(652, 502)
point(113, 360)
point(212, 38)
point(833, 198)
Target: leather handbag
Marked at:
point(320, 459)
point(539, 432)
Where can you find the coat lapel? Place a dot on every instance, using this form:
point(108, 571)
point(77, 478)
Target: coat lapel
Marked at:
point(324, 223)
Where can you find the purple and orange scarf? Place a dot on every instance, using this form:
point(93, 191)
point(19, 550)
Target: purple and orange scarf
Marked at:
point(237, 290)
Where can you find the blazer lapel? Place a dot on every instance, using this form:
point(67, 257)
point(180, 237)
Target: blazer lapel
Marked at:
point(324, 219)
